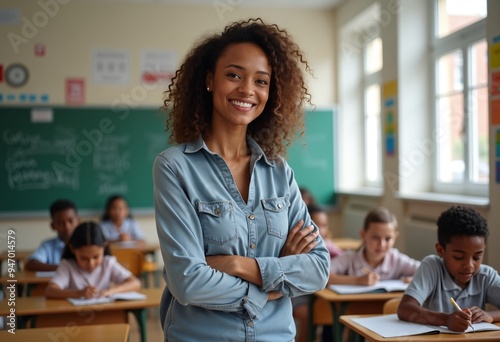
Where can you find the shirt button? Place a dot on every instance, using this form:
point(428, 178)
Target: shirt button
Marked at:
point(217, 211)
point(250, 324)
point(251, 217)
point(252, 246)
point(280, 205)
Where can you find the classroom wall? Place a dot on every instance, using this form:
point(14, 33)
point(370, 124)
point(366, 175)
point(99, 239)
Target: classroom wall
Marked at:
point(407, 190)
point(74, 29)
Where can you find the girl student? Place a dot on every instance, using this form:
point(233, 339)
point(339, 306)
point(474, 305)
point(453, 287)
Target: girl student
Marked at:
point(117, 222)
point(376, 259)
point(88, 270)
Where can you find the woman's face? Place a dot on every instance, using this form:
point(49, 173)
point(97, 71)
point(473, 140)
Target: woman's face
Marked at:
point(240, 85)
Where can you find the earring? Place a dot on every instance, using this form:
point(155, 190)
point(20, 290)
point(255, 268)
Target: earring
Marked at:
point(208, 88)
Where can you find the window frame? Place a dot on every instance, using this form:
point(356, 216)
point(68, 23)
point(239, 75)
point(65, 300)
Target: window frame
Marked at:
point(462, 40)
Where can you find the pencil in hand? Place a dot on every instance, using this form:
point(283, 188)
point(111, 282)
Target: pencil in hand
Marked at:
point(459, 309)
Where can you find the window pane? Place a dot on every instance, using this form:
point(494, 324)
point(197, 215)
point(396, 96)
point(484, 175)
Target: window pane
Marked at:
point(373, 150)
point(479, 64)
point(451, 163)
point(373, 57)
point(454, 15)
point(479, 138)
point(450, 78)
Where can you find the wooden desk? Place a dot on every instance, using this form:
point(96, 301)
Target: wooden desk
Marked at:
point(102, 332)
point(347, 243)
point(340, 304)
point(59, 312)
point(374, 337)
point(27, 283)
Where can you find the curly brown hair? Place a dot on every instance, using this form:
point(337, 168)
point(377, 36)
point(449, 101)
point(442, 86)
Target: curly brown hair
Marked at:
point(190, 105)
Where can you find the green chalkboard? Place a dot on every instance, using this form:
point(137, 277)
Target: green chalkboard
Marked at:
point(84, 154)
point(87, 154)
point(312, 157)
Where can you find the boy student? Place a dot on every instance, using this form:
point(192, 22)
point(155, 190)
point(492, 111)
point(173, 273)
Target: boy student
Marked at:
point(64, 220)
point(456, 272)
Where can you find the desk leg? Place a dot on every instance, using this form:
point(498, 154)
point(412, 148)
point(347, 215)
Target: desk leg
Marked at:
point(140, 316)
point(311, 328)
point(337, 327)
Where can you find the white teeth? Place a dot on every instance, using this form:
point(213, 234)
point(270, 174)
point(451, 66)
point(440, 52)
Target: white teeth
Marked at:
point(241, 104)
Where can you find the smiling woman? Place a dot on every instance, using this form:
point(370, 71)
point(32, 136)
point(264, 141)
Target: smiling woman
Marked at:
point(234, 233)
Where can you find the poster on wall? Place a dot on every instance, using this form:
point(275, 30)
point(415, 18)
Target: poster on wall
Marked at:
point(389, 94)
point(110, 67)
point(157, 67)
point(75, 91)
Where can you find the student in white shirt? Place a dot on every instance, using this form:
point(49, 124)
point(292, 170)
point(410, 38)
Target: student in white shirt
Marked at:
point(88, 270)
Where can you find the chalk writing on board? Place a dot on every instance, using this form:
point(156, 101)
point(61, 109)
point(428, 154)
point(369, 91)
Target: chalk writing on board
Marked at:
point(25, 167)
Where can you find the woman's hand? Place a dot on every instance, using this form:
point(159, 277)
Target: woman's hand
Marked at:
point(223, 263)
point(300, 240)
point(273, 295)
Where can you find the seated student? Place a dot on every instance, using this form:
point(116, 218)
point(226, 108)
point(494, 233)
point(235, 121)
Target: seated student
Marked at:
point(307, 196)
point(64, 219)
point(88, 270)
point(376, 259)
point(320, 217)
point(117, 222)
point(456, 272)
point(300, 304)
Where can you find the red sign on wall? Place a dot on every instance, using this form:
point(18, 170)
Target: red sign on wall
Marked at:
point(75, 91)
point(39, 50)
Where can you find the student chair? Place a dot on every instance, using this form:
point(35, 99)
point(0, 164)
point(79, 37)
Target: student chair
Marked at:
point(130, 258)
point(391, 306)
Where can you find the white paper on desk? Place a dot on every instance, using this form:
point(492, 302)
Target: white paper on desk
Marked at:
point(391, 326)
point(46, 274)
point(132, 295)
point(381, 286)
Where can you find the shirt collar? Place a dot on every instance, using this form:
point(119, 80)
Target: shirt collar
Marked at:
point(384, 267)
point(257, 152)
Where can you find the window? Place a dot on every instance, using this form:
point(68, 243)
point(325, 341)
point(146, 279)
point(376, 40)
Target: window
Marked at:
point(372, 125)
point(461, 97)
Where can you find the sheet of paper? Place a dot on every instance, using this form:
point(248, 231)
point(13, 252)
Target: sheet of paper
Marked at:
point(383, 285)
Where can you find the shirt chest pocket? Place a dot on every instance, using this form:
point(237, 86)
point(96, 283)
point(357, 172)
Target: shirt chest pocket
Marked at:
point(217, 221)
point(276, 214)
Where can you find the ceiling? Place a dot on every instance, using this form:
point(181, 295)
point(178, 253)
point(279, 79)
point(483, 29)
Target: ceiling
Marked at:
point(246, 3)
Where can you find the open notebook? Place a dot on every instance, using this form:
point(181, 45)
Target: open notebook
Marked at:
point(392, 326)
point(118, 296)
point(381, 286)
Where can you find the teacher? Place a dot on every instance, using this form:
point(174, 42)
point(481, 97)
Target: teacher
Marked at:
point(235, 236)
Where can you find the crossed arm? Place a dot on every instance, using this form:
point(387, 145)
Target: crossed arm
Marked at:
point(299, 241)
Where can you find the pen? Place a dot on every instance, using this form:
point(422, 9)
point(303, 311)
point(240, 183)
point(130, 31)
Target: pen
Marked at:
point(459, 309)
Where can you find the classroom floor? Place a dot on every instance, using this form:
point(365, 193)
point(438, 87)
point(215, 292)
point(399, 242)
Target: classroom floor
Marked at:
point(155, 333)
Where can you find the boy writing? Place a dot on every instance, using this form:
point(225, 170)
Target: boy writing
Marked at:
point(456, 272)
point(47, 256)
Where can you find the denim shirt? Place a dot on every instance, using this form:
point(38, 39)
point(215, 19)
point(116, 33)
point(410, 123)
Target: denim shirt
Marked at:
point(200, 212)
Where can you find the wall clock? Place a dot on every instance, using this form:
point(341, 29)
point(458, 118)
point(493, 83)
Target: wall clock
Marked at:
point(16, 75)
